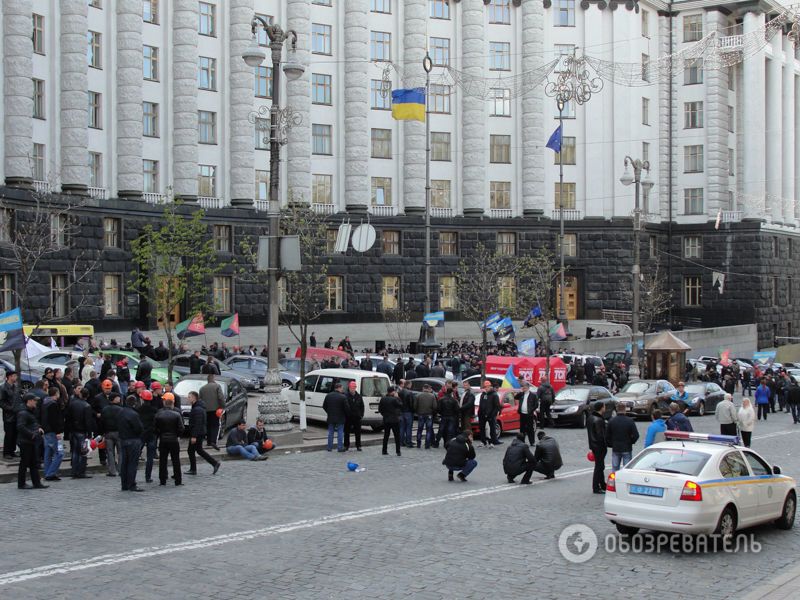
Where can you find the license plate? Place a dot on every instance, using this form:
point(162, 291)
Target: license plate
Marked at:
point(646, 490)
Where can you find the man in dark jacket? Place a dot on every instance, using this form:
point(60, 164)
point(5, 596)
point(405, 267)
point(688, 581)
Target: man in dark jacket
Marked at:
point(147, 413)
point(546, 396)
point(355, 413)
point(11, 404)
point(385, 367)
point(168, 427)
point(365, 364)
point(197, 431)
point(677, 421)
point(145, 372)
point(335, 407)
point(488, 409)
point(390, 409)
point(519, 459)
point(460, 456)
point(399, 371)
point(448, 410)
point(466, 405)
point(596, 429)
point(621, 435)
point(195, 363)
point(130, 436)
point(407, 412)
point(236, 444)
point(28, 434)
point(53, 427)
point(258, 435)
point(793, 400)
point(547, 455)
point(425, 406)
point(81, 419)
point(110, 430)
point(527, 405)
point(438, 370)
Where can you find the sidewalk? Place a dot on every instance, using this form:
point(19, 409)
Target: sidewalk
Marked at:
point(782, 587)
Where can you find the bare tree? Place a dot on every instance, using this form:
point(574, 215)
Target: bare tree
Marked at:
point(654, 299)
point(539, 274)
point(398, 323)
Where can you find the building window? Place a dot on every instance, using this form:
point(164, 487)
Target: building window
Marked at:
point(59, 299)
point(500, 148)
point(439, 101)
point(440, 51)
point(320, 38)
point(693, 201)
point(692, 246)
point(564, 13)
point(499, 56)
point(112, 295)
point(500, 102)
point(330, 240)
point(322, 189)
point(692, 71)
point(150, 67)
point(440, 145)
point(111, 232)
point(322, 2)
point(447, 292)
point(692, 291)
point(321, 88)
point(223, 235)
point(223, 293)
point(692, 115)
point(263, 82)
point(381, 6)
point(507, 292)
point(262, 185)
point(693, 159)
point(206, 127)
point(440, 193)
point(207, 181)
point(569, 196)
point(38, 34)
point(646, 151)
point(208, 19)
point(6, 292)
point(570, 244)
point(645, 23)
point(440, 9)
point(261, 133)
point(380, 45)
point(773, 291)
point(381, 191)
point(322, 139)
point(379, 100)
point(448, 243)
point(95, 169)
point(568, 150)
point(500, 194)
point(261, 33)
point(39, 159)
point(692, 28)
point(381, 143)
point(567, 112)
point(500, 12)
point(775, 247)
point(94, 50)
point(390, 297)
point(645, 67)
point(645, 111)
point(562, 51)
point(150, 11)
point(731, 161)
point(58, 230)
point(390, 242)
point(731, 119)
point(334, 293)
point(506, 243)
point(150, 172)
point(789, 286)
point(38, 99)
point(95, 110)
point(207, 73)
point(149, 119)
point(653, 247)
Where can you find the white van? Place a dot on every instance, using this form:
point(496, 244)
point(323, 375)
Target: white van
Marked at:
point(371, 385)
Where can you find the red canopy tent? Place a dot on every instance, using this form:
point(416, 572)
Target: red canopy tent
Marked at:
point(529, 368)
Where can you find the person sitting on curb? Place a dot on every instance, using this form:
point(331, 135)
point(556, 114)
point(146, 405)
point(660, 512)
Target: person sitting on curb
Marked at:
point(519, 459)
point(460, 456)
point(257, 436)
point(547, 455)
point(237, 444)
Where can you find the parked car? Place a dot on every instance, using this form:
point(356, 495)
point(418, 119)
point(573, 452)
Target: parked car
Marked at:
point(26, 378)
point(703, 397)
point(573, 404)
point(436, 383)
point(255, 367)
point(180, 364)
point(55, 359)
point(235, 399)
point(292, 365)
point(476, 381)
point(643, 396)
point(159, 372)
point(614, 358)
point(507, 420)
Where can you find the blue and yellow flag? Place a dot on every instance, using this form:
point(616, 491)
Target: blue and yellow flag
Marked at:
point(510, 380)
point(11, 335)
point(409, 105)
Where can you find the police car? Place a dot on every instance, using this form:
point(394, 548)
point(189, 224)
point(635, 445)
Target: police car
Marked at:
point(699, 484)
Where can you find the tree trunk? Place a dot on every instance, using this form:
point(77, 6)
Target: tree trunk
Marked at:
point(302, 386)
point(483, 354)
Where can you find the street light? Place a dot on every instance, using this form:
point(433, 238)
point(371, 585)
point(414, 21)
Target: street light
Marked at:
point(254, 55)
point(627, 179)
point(427, 65)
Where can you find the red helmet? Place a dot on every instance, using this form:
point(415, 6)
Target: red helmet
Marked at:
point(146, 395)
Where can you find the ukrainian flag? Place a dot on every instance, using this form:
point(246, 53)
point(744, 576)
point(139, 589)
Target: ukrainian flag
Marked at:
point(510, 380)
point(409, 105)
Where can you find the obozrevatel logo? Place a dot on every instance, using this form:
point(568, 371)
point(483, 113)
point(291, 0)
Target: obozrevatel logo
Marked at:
point(577, 543)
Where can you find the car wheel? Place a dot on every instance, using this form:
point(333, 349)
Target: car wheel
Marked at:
point(583, 421)
point(285, 383)
point(626, 529)
point(786, 520)
point(726, 526)
point(701, 409)
point(376, 428)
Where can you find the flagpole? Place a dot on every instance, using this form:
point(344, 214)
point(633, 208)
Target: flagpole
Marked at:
point(562, 312)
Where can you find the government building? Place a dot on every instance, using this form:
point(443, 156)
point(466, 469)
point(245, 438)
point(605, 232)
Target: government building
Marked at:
point(123, 105)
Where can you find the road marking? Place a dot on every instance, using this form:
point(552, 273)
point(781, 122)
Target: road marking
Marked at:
point(239, 536)
point(775, 434)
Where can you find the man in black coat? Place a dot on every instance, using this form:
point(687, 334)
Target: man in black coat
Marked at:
point(195, 363)
point(168, 427)
point(365, 364)
point(547, 455)
point(488, 409)
point(546, 396)
point(11, 404)
point(81, 419)
point(448, 410)
point(53, 427)
point(596, 430)
point(385, 367)
point(390, 409)
point(519, 459)
point(355, 413)
point(130, 436)
point(197, 431)
point(28, 435)
point(407, 412)
point(527, 404)
point(621, 435)
point(460, 456)
point(147, 413)
point(466, 405)
point(399, 372)
point(335, 407)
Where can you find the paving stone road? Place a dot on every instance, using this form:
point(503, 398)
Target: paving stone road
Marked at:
point(302, 526)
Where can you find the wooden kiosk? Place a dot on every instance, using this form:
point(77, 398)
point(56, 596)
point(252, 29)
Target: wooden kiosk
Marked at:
point(666, 357)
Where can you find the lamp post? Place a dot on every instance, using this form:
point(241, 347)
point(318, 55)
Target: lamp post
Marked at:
point(254, 55)
point(627, 179)
point(427, 65)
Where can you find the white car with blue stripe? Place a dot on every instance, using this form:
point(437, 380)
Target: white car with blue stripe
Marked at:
point(699, 483)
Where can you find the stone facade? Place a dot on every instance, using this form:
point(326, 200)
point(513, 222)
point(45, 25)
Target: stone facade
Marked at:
point(17, 91)
point(129, 98)
point(74, 97)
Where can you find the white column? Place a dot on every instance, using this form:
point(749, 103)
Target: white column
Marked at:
point(753, 126)
point(129, 98)
point(772, 135)
point(473, 111)
point(18, 92)
point(241, 105)
point(74, 97)
point(298, 98)
point(715, 114)
point(414, 43)
point(533, 134)
point(356, 124)
point(184, 90)
point(789, 150)
point(667, 105)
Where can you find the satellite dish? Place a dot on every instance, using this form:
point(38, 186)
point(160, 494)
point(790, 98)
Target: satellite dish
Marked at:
point(363, 237)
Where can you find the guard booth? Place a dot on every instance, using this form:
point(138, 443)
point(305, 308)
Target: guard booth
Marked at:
point(666, 357)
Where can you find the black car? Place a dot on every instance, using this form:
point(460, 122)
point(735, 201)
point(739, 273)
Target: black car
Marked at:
point(703, 397)
point(436, 383)
point(235, 399)
point(643, 396)
point(180, 364)
point(573, 404)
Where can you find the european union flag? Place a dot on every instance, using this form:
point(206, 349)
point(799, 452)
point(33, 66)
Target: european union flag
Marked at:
point(554, 143)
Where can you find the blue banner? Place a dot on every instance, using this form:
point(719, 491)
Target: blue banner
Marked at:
point(527, 347)
point(434, 319)
point(11, 334)
point(492, 321)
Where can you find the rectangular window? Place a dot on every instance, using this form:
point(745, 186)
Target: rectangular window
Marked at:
point(334, 293)
point(59, 300)
point(507, 292)
point(693, 71)
point(150, 11)
point(322, 2)
point(562, 51)
point(95, 169)
point(208, 19)
point(112, 295)
point(261, 34)
point(380, 45)
point(38, 99)
point(263, 82)
point(500, 194)
point(773, 291)
point(381, 191)
point(381, 6)
point(693, 201)
point(94, 49)
point(223, 236)
point(571, 245)
point(440, 145)
point(500, 102)
point(568, 149)
point(207, 73)
point(149, 119)
point(447, 292)
point(150, 173)
point(111, 232)
point(731, 119)
point(448, 243)
point(390, 296)
point(6, 292)
point(564, 13)
point(653, 247)
point(439, 9)
point(150, 67)
point(261, 133)
point(95, 110)
point(500, 12)
point(506, 243)
point(390, 242)
point(320, 38)
point(569, 196)
point(381, 143)
point(223, 292)
point(500, 148)
point(378, 99)
point(207, 181)
point(692, 115)
point(206, 127)
point(440, 193)
point(731, 162)
point(645, 23)
point(646, 151)
point(262, 185)
point(692, 291)
point(732, 78)
point(38, 34)
point(692, 246)
point(692, 28)
point(499, 56)
point(645, 111)
point(321, 139)
point(58, 230)
point(39, 159)
point(693, 159)
point(330, 240)
point(440, 51)
point(321, 88)
point(645, 67)
point(322, 189)
point(568, 111)
point(439, 101)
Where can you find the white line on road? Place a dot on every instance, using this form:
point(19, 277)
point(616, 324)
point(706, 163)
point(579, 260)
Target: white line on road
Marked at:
point(239, 536)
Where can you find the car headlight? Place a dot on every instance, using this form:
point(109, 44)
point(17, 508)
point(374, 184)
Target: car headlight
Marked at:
point(640, 402)
point(571, 409)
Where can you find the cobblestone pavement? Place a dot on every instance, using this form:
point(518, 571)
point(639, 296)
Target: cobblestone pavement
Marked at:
point(302, 526)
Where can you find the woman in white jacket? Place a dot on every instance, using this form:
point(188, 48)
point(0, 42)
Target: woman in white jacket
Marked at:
point(86, 372)
point(747, 421)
